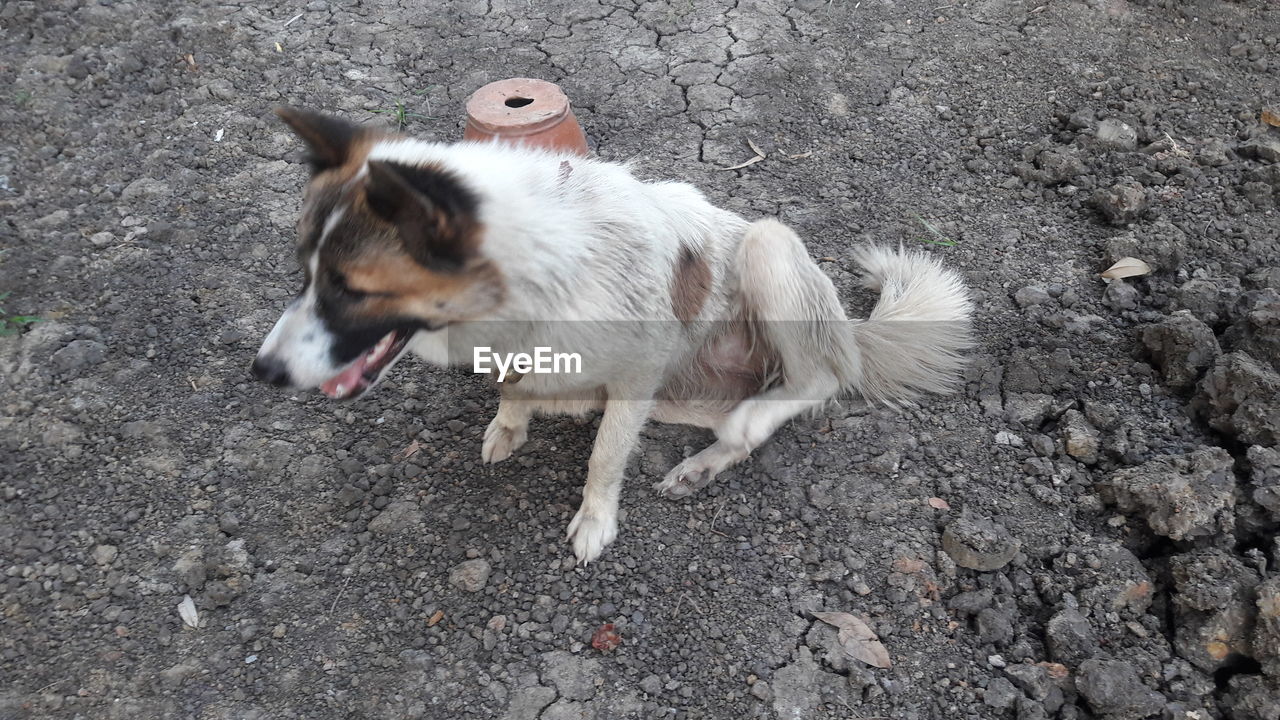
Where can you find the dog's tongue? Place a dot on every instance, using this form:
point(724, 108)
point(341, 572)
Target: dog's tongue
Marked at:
point(343, 383)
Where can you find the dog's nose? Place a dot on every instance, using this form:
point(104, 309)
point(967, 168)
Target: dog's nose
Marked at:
point(271, 370)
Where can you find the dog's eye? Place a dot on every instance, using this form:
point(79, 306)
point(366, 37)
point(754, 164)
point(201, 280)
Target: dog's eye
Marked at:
point(339, 283)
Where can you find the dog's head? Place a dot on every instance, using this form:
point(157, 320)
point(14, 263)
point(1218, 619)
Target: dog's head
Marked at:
point(389, 249)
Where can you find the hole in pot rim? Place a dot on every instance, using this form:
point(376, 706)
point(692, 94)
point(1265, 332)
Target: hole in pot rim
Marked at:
point(518, 102)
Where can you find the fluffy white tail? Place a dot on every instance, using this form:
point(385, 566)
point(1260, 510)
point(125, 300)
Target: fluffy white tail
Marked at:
point(912, 342)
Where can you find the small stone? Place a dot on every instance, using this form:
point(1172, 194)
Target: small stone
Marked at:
point(174, 676)
point(1028, 409)
point(1079, 437)
point(78, 354)
point(1070, 637)
point(1122, 203)
point(101, 239)
point(1031, 295)
point(1120, 295)
point(1000, 694)
point(105, 554)
point(396, 517)
point(995, 626)
point(1116, 135)
point(1113, 689)
point(1034, 680)
point(979, 544)
point(471, 575)
point(652, 685)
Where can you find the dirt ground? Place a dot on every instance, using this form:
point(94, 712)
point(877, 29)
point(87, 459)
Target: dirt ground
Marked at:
point(1088, 530)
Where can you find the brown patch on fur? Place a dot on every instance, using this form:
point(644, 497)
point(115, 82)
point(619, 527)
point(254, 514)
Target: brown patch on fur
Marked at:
point(690, 285)
point(400, 287)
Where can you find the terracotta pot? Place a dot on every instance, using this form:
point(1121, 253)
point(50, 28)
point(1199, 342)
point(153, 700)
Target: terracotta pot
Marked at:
point(524, 111)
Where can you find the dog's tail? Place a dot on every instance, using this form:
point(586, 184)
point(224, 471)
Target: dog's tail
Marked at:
point(913, 340)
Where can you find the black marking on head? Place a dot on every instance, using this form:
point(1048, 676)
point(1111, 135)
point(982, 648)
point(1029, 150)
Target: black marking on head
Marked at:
point(329, 139)
point(433, 213)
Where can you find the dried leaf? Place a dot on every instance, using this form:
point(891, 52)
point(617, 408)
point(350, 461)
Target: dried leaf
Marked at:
point(605, 639)
point(1126, 267)
point(1057, 671)
point(1271, 116)
point(755, 149)
point(938, 503)
point(187, 611)
point(801, 155)
point(435, 618)
point(739, 166)
point(856, 639)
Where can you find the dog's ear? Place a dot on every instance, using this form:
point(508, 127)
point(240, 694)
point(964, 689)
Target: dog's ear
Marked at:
point(329, 139)
point(434, 214)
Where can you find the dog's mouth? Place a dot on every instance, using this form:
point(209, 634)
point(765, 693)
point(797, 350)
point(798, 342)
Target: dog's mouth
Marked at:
point(365, 370)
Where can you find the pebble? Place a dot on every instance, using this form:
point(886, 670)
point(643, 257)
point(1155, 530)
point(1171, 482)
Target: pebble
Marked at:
point(979, 544)
point(105, 554)
point(470, 576)
point(1116, 135)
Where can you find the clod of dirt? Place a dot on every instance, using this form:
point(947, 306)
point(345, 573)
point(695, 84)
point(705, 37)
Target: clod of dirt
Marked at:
point(1115, 692)
point(1266, 634)
point(979, 544)
point(1121, 581)
point(1212, 641)
point(1182, 348)
point(471, 575)
point(1161, 245)
point(1251, 697)
point(1116, 135)
point(1053, 167)
point(1264, 476)
point(1071, 639)
point(1211, 579)
point(1241, 398)
point(1257, 326)
point(1214, 607)
point(1122, 203)
point(1264, 147)
point(1079, 437)
point(1180, 496)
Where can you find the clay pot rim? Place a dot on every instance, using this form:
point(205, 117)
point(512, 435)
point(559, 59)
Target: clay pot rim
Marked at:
point(551, 96)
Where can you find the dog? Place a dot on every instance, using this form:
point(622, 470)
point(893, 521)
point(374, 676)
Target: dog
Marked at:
point(681, 312)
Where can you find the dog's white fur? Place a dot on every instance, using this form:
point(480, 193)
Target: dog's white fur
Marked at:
point(590, 254)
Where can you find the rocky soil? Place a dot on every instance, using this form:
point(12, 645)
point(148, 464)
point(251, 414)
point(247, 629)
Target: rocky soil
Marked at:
point(1088, 530)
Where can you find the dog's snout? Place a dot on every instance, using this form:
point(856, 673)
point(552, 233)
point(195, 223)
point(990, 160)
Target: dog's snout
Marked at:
point(271, 370)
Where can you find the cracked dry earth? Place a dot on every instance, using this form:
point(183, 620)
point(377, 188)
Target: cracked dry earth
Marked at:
point(1087, 530)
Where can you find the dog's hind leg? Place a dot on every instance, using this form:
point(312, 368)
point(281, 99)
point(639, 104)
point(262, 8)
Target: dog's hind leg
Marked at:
point(508, 430)
point(794, 312)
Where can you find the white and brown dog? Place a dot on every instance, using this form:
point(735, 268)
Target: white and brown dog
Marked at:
point(678, 311)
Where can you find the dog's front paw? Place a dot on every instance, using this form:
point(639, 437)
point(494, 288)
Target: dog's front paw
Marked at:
point(590, 534)
point(501, 441)
point(691, 475)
